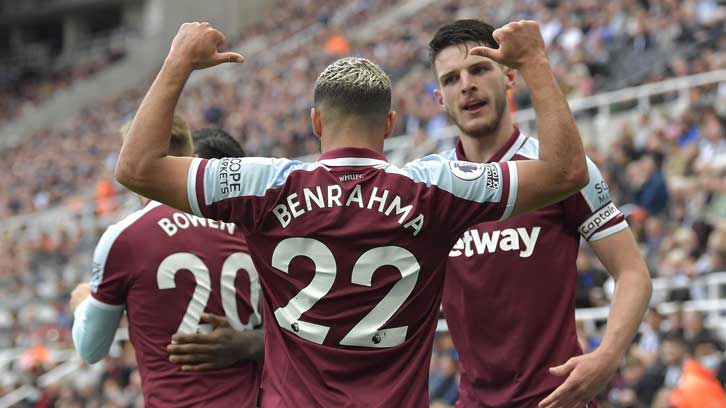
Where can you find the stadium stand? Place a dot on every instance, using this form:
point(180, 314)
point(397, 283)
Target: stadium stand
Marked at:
point(661, 146)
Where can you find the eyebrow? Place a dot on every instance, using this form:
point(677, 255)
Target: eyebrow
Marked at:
point(484, 64)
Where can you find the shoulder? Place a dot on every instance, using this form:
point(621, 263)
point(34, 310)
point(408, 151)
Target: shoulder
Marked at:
point(122, 228)
point(448, 154)
point(433, 169)
point(259, 173)
point(238, 164)
point(596, 193)
point(480, 182)
point(115, 236)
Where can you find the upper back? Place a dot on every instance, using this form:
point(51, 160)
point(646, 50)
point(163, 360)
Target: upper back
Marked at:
point(168, 267)
point(349, 251)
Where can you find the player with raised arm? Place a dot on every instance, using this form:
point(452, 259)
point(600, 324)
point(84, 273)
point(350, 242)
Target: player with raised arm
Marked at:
point(166, 268)
point(518, 276)
point(350, 249)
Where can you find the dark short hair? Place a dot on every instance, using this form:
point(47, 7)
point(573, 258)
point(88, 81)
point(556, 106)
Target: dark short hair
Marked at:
point(353, 86)
point(461, 32)
point(215, 143)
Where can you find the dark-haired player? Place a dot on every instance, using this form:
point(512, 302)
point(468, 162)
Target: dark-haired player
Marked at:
point(167, 268)
point(509, 297)
point(350, 249)
point(215, 143)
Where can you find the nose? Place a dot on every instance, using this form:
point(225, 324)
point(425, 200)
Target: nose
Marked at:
point(467, 82)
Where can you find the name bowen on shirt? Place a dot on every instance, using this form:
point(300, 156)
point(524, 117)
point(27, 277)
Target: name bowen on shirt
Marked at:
point(181, 221)
point(474, 242)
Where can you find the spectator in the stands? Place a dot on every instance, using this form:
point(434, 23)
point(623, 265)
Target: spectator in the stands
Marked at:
point(649, 184)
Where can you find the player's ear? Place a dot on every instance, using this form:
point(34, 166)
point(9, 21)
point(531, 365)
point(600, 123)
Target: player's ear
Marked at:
point(390, 123)
point(439, 98)
point(317, 123)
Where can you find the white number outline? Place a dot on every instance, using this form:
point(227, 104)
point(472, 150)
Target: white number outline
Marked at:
point(168, 268)
point(368, 332)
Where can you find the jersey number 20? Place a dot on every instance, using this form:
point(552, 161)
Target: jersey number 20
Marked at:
point(188, 261)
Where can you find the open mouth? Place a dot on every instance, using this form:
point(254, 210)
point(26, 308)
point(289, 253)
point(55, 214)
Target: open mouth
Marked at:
point(474, 106)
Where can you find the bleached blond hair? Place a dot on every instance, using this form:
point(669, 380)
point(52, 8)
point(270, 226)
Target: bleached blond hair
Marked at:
point(353, 86)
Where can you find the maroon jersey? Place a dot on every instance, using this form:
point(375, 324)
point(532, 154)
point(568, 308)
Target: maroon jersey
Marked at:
point(509, 297)
point(350, 251)
point(167, 267)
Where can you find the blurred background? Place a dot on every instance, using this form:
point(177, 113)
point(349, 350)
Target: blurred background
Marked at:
point(646, 80)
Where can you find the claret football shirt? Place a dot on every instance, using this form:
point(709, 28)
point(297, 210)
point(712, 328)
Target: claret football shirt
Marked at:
point(166, 267)
point(509, 296)
point(350, 252)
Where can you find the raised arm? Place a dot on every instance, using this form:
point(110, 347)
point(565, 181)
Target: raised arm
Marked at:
point(143, 165)
point(561, 168)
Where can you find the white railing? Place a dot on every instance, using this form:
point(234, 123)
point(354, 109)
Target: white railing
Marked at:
point(714, 305)
point(602, 102)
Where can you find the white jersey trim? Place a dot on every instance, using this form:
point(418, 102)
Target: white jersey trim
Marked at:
point(513, 188)
point(515, 148)
point(598, 219)
point(192, 186)
point(103, 248)
point(352, 161)
point(609, 231)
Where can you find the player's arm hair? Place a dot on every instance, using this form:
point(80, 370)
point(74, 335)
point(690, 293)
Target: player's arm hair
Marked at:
point(561, 169)
point(621, 257)
point(94, 328)
point(143, 164)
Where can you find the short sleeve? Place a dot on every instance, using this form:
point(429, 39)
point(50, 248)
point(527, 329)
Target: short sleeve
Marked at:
point(111, 268)
point(468, 193)
point(235, 189)
point(591, 210)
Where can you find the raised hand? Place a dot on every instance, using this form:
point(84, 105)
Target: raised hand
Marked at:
point(196, 46)
point(520, 44)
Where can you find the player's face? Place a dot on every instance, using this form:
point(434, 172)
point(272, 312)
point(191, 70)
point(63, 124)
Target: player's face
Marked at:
point(473, 89)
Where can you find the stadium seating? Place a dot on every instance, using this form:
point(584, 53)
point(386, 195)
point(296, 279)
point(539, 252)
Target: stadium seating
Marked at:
point(56, 193)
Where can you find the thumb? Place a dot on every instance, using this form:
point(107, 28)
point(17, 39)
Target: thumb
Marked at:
point(486, 52)
point(564, 369)
point(222, 57)
point(214, 320)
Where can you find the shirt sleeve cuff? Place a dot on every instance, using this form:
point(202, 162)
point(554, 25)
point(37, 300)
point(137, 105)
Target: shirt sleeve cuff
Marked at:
point(192, 194)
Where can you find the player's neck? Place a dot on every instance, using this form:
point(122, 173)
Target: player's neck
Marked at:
point(481, 148)
point(349, 136)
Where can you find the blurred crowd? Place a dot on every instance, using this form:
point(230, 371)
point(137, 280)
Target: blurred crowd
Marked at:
point(24, 88)
point(589, 47)
point(668, 173)
point(666, 170)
